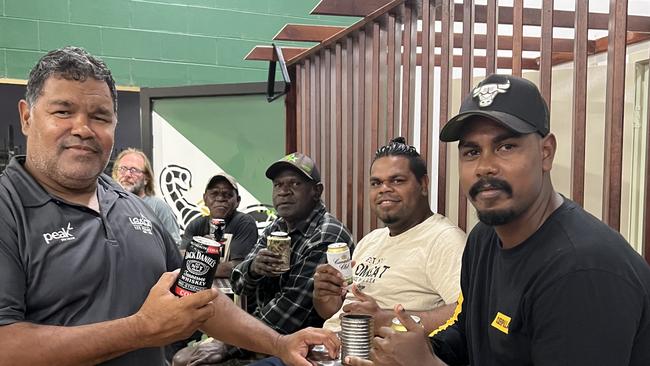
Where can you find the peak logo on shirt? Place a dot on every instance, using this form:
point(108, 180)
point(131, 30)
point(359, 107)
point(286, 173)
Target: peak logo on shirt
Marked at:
point(141, 224)
point(501, 322)
point(65, 234)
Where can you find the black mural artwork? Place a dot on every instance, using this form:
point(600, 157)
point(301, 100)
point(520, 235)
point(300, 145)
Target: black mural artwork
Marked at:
point(174, 182)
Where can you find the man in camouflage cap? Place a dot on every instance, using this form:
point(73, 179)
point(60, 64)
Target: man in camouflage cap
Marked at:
point(284, 299)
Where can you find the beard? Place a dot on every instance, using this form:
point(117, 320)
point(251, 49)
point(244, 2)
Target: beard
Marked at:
point(135, 188)
point(496, 217)
point(493, 217)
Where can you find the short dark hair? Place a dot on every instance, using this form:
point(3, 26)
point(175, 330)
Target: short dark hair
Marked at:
point(398, 147)
point(70, 63)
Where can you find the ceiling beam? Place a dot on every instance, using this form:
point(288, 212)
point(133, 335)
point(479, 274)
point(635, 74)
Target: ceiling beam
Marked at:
point(354, 8)
point(307, 33)
point(265, 53)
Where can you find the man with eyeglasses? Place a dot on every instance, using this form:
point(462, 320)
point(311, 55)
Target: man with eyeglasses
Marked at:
point(132, 169)
point(222, 197)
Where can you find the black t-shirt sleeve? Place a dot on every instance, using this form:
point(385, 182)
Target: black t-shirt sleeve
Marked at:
point(244, 236)
point(194, 228)
point(449, 342)
point(588, 317)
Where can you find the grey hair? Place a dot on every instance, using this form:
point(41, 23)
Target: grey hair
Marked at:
point(70, 63)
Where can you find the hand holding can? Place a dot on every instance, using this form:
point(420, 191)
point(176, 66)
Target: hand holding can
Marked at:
point(198, 268)
point(279, 243)
point(338, 256)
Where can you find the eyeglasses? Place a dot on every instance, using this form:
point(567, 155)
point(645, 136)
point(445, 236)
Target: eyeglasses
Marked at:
point(132, 170)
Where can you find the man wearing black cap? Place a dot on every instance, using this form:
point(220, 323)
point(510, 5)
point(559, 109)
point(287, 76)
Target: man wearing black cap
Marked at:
point(284, 299)
point(543, 282)
point(222, 197)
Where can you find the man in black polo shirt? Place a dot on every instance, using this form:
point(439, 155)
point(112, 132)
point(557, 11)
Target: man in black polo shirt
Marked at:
point(222, 198)
point(84, 264)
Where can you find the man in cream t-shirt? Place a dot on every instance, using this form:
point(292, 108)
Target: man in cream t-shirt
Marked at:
point(414, 261)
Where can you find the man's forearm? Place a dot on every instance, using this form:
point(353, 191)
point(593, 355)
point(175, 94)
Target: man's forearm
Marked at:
point(31, 344)
point(430, 320)
point(234, 326)
point(433, 319)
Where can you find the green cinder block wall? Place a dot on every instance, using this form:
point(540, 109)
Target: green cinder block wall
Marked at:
point(152, 43)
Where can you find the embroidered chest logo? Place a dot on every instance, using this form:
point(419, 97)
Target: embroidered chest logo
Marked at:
point(59, 236)
point(501, 322)
point(141, 224)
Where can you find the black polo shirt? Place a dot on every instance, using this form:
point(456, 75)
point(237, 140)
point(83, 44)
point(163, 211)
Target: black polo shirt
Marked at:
point(64, 264)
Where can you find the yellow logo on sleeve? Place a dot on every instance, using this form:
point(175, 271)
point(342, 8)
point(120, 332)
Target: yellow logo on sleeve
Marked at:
point(501, 322)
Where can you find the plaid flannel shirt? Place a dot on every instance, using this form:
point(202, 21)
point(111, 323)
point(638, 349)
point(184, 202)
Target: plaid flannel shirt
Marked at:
point(285, 302)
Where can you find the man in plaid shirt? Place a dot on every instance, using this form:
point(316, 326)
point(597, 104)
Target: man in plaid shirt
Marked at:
point(284, 299)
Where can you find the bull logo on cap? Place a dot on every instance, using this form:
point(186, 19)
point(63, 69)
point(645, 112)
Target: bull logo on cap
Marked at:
point(486, 93)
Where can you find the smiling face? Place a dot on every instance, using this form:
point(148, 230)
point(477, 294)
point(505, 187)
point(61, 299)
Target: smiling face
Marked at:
point(69, 132)
point(222, 199)
point(294, 197)
point(396, 195)
point(502, 173)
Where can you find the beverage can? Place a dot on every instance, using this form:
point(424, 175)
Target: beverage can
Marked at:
point(198, 268)
point(338, 256)
point(397, 326)
point(216, 229)
point(279, 242)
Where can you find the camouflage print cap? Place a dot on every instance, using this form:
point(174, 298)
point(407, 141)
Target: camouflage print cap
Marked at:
point(302, 162)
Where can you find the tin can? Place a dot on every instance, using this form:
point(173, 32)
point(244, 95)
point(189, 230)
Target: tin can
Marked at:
point(338, 256)
point(198, 268)
point(279, 242)
point(397, 326)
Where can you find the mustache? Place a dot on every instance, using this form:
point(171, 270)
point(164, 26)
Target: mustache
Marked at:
point(489, 183)
point(90, 143)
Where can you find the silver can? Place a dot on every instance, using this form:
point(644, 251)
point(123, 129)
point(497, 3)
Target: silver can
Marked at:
point(279, 242)
point(338, 256)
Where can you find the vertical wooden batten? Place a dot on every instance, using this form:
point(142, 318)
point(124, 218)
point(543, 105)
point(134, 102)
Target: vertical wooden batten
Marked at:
point(646, 208)
point(408, 67)
point(517, 35)
point(492, 37)
point(546, 47)
point(466, 86)
point(426, 83)
point(446, 68)
point(579, 102)
point(614, 108)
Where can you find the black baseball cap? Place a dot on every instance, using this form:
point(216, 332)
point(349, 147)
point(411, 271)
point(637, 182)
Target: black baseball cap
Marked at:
point(513, 102)
point(297, 161)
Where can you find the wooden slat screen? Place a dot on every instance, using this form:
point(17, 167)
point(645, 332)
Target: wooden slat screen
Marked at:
point(357, 89)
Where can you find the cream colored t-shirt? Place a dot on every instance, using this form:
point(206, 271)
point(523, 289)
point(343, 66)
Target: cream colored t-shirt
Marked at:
point(419, 268)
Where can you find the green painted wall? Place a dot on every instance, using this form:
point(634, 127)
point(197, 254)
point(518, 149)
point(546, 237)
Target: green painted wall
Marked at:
point(243, 134)
point(152, 43)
